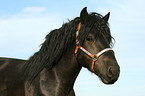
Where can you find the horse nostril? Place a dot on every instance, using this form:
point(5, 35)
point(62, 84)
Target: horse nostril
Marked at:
point(110, 72)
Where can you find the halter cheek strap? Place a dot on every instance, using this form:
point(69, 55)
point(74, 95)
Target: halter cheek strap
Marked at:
point(94, 57)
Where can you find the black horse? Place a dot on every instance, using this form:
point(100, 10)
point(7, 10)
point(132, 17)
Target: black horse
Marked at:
point(52, 71)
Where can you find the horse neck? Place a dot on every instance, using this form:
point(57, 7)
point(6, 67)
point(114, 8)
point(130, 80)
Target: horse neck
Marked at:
point(63, 74)
point(68, 67)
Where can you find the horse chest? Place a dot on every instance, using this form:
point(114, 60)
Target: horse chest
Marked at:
point(50, 84)
point(46, 84)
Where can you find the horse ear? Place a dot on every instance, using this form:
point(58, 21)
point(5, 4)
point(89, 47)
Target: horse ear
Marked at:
point(106, 17)
point(83, 15)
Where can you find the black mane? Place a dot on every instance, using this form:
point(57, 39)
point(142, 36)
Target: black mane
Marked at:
point(60, 40)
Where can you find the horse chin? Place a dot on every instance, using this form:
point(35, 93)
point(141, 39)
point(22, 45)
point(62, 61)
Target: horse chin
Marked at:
point(107, 81)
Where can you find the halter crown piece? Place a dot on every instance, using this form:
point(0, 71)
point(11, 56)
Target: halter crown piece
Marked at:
point(94, 57)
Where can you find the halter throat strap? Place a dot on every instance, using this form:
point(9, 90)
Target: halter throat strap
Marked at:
point(94, 57)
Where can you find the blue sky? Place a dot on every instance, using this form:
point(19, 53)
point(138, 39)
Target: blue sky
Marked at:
point(25, 23)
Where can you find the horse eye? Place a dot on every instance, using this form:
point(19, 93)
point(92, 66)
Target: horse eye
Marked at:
point(90, 39)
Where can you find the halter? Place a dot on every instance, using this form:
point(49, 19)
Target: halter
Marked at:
point(94, 57)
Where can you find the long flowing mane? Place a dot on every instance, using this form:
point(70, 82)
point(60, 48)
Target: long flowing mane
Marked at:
point(60, 40)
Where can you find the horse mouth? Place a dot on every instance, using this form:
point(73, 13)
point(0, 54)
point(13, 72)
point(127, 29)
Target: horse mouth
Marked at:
point(107, 81)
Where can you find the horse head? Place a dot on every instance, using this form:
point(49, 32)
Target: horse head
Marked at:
point(93, 50)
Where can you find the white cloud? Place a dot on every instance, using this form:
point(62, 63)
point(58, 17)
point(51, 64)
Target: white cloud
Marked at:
point(33, 9)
